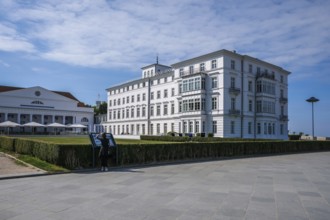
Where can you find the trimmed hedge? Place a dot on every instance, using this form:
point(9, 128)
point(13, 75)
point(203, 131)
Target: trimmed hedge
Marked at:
point(80, 156)
point(7, 143)
point(198, 138)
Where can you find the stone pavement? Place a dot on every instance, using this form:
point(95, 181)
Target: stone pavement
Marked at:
point(289, 187)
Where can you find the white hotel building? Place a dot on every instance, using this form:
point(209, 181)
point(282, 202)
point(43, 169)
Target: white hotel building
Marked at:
point(224, 93)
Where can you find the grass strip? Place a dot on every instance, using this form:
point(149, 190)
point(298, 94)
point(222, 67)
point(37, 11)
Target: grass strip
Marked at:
point(50, 168)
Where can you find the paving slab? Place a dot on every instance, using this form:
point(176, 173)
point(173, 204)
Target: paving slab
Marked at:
point(292, 186)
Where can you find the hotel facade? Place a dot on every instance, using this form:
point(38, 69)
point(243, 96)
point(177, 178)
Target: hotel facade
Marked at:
point(223, 92)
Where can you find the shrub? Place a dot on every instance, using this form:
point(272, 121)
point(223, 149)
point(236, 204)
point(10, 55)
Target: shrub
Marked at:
point(210, 135)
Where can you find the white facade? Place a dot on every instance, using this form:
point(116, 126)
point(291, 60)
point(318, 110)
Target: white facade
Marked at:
point(224, 93)
point(37, 104)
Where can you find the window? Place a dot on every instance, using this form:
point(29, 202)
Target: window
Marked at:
point(214, 103)
point(118, 116)
point(250, 68)
point(233, 104)
point(138, 112)
point(202, 67)
point(232, 127)
point(132, 99)
point(152, 95)
point(265, 128)
point(181, 72)
point(158, 110)
point(165, 79)
point(165, 93)
point(158, 94)
point(250, 105)
point(114, 114)
point(132, 113)
point(143, 97)
point(118, 101)
point(165, 109)
point(232, 82)
point(249, 127)
point(151, 129)
point(127, 113)
point(158, 128)
point(214, 82)
point(165, 128)
point(138, 129)
point(180, 106)
point(127, 99)
point(258, 70)
point(138, 98)
point(282, 79)
point(214, 127)
point(282, 93)
point(281, 129)
point(110, 115)
point(110, 103)
point(250, 86)
point(197, 127)
point(172, 92)
point(158, 81)
point(143, 128)
point(214, 64)
point(114, 102)
point(258, 128)
point(172, 108)
point(203, 83)
point(123, 101)
point(123, 113)
point(172, 126)
point(151, 111)
point(190, 127)
point(191, 69)
point(143, 111)
point(232, 64)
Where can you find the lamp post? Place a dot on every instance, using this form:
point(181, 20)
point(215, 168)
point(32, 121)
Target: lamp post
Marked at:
point(312, 100)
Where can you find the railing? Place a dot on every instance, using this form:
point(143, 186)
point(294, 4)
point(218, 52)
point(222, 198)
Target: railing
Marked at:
point(234, 90)
point(283, 100)
point(283, 117)
point(194, 71)
point(266, 75)
point(234, 112)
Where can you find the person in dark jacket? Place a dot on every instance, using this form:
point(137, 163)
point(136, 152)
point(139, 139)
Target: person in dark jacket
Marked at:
point(103, 154)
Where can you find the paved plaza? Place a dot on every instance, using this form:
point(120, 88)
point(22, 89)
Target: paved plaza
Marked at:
point(286, 187)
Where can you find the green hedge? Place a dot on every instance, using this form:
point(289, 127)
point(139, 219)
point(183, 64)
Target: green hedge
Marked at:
point(80, 156)
point(7, 143)
point(198, 138)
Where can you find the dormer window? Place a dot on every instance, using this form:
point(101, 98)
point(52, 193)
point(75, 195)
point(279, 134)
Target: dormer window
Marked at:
point(37, 103)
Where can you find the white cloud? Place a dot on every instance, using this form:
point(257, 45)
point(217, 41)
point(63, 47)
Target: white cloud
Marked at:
point(130, 33)
point(4, 64)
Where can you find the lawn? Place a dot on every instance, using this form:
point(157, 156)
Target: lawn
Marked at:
point(85, 140)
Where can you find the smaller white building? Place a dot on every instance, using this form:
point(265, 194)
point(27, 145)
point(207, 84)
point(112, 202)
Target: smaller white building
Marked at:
point(37, 104)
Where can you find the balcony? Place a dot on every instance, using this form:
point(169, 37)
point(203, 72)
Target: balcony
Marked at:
point(235, 91)
point(193, 72)
point(234, 112)
point(283, 118)
point(283, 100)
point(266, 75)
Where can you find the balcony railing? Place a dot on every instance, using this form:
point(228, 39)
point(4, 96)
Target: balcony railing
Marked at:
point(283, 117)
point(266, 75)
point(194, 71)
point(234, 112)
point(234, 90)
point(283, 100)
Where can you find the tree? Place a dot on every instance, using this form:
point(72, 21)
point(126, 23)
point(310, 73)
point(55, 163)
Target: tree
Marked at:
point(102, 109)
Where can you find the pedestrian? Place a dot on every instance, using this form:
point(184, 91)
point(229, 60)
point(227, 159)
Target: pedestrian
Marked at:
point(103, 154)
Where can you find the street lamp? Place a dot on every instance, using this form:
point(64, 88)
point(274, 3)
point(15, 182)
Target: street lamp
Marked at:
point(312, 100)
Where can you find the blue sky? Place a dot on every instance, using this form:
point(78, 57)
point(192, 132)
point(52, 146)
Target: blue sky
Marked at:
point(86, 46)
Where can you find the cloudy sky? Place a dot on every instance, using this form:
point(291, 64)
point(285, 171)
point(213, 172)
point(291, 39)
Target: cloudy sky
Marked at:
point(86, 46)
